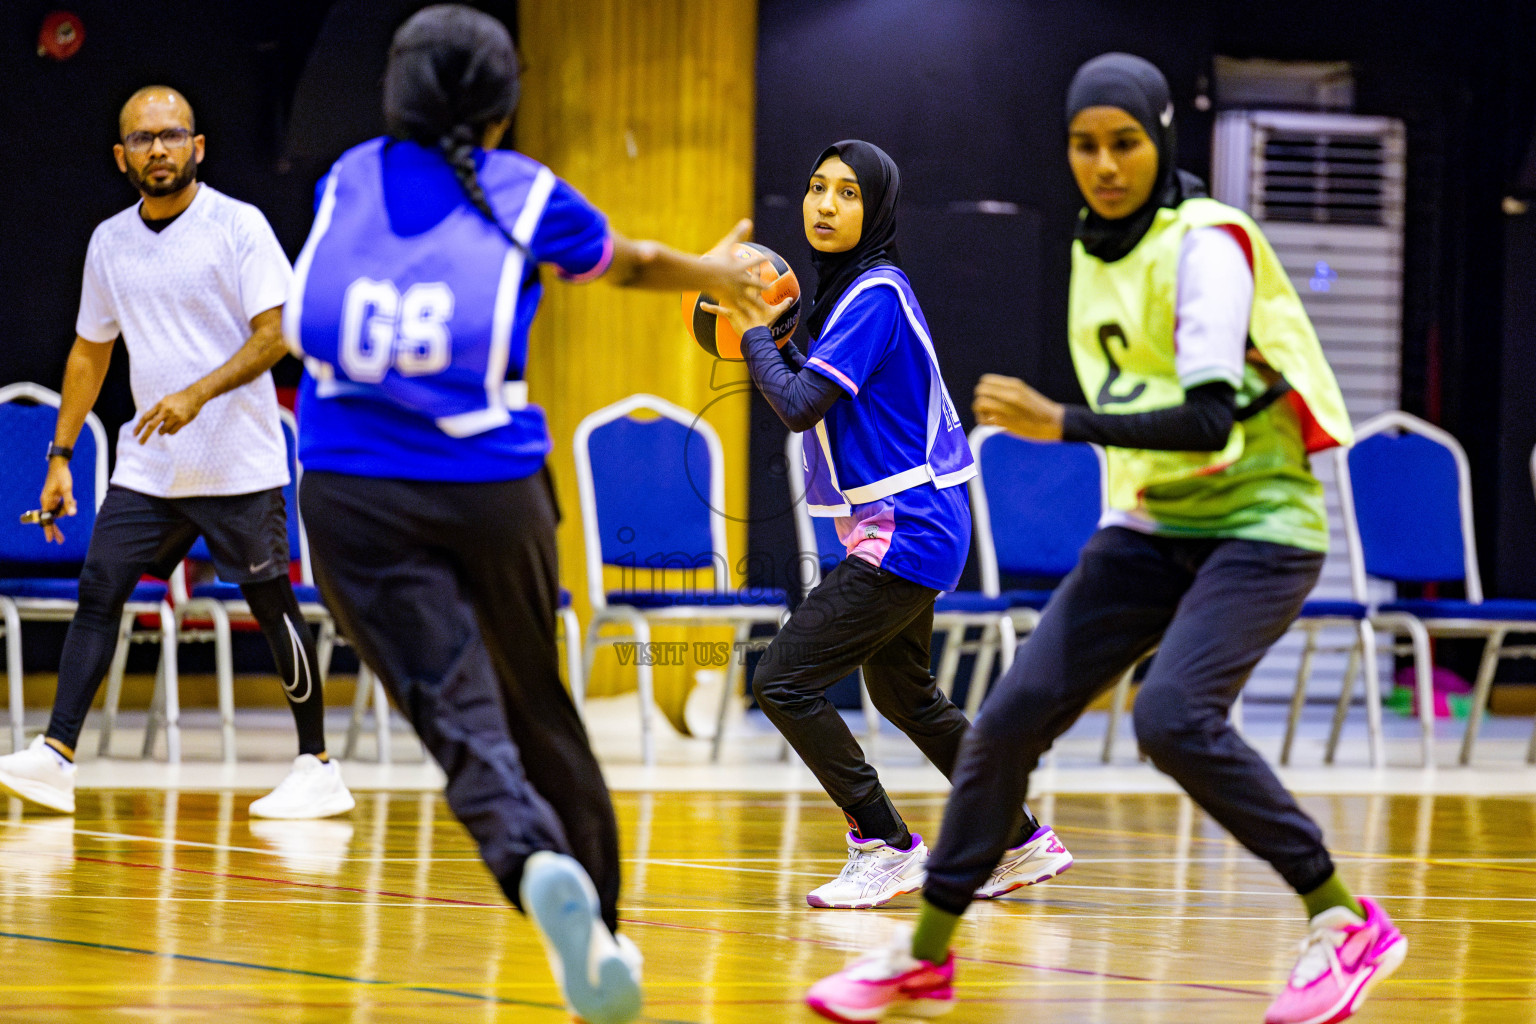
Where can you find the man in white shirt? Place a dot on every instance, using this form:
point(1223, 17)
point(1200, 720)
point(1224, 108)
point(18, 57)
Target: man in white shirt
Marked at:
point(195, 282)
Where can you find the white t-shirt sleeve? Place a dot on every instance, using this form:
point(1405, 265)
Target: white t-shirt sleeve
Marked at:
point(97, 320)
point(1215, 306)
point(265, 275)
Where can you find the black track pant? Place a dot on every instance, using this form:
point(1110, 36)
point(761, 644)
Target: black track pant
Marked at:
point(1212, 608)
point(449, 592)
point(859, 615)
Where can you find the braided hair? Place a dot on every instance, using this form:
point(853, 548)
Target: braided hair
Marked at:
point(452, 73)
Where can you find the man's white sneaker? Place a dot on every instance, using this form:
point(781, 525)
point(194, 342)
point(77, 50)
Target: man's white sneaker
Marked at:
point(313, 789)
point(40, 775)
point(1041, 858)
point(875, 874)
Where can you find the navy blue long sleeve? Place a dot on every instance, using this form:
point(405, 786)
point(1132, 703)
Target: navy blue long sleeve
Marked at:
point(800, 398)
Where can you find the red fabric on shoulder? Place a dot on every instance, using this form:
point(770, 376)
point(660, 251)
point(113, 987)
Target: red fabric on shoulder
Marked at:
point(1242, 239)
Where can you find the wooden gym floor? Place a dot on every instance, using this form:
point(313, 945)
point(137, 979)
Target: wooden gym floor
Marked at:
point(167, 906)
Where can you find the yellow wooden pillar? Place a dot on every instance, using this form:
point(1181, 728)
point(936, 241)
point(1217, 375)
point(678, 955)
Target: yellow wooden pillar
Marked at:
point(647, 109)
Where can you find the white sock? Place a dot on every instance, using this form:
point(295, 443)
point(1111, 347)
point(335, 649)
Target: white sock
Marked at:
point(63, 761)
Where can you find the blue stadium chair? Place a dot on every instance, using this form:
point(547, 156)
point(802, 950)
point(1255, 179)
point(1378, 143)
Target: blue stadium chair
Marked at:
point(1407, 498)
point(50, 589)
point(652, 500)
point(218, 603)
point(1050, 498)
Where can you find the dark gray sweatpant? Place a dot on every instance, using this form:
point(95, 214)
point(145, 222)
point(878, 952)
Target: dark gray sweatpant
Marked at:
point(1212, 608)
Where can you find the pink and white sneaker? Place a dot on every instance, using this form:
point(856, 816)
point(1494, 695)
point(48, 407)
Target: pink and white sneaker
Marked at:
point(886, 981)
point(1040, 859)
point(1340, 961)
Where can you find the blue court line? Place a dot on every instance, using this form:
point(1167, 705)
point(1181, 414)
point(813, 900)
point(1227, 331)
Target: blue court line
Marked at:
point(424, 989)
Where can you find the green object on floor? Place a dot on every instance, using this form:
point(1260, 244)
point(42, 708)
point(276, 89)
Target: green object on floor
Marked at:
point(1401, 701)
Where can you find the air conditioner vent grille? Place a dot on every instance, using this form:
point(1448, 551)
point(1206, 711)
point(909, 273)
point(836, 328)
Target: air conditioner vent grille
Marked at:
point(1322, 178)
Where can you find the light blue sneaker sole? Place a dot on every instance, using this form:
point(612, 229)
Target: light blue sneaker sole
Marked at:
point(598, 985)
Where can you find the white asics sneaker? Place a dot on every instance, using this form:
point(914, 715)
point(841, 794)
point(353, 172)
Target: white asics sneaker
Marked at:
point(1042, 857)
point(598, 972)
point(875, 874)
point(39, 774)
point(313, 789)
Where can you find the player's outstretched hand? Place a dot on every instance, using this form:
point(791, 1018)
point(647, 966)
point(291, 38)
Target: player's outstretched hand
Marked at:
point(1010, 403)
point(58, 495)
point(736, 280)
point(168, 415)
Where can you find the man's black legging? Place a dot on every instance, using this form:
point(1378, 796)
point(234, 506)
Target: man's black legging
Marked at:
point(129, 540)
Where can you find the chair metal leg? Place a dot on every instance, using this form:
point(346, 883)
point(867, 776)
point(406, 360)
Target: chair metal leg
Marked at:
point(1377, 740)
point(170, 674)
point(1424, 687)
point(1341, 709)
point(735, 670)
point(13, 672)
point(1485, 672)
point(981, 681)
point(325, 645)
point(115, 685)
point(156, 712)
point(981, 667)
point(1299, 697)
point(381, 718)
point(360, 697)
point(224, 670)
point(575, 680)
point(1118, 703)
point(949, 661)
point(871, 713)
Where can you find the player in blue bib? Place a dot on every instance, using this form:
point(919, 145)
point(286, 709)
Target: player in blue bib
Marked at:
point(429, 513)
point(886, 457)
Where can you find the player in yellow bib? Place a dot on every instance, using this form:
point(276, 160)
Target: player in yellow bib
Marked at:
point(1208, 388)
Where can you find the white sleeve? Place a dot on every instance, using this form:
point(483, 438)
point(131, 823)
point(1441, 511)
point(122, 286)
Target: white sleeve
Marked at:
point(265, 275)
point(1215, 305)
point(97, 320)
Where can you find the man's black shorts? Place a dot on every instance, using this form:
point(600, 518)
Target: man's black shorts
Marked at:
point(247, 534)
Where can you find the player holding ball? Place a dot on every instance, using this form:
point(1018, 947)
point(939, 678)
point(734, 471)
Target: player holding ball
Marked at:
point(887, 460)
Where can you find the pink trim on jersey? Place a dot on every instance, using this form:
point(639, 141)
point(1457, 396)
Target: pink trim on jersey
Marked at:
point(868, 537)
point(598, 268)
point(834, 371)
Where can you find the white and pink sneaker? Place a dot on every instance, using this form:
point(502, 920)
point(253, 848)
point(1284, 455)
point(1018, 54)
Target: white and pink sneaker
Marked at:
point(890, 980)
point(1341, 959)
point(874, 874)
point(1040, 859)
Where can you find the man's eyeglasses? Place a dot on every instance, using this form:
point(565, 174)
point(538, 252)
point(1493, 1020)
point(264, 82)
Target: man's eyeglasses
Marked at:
point(171, 138)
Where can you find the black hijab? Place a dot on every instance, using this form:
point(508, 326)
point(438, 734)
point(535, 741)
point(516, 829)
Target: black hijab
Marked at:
point(1138, 88)
point(879, 185)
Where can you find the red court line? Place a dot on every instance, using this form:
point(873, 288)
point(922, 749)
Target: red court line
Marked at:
point(967, 959)
point(290, 881)
point(681, 927)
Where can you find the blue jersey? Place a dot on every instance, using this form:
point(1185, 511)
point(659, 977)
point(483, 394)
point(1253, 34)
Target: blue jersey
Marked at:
point(888, 461)
point(412, 312)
